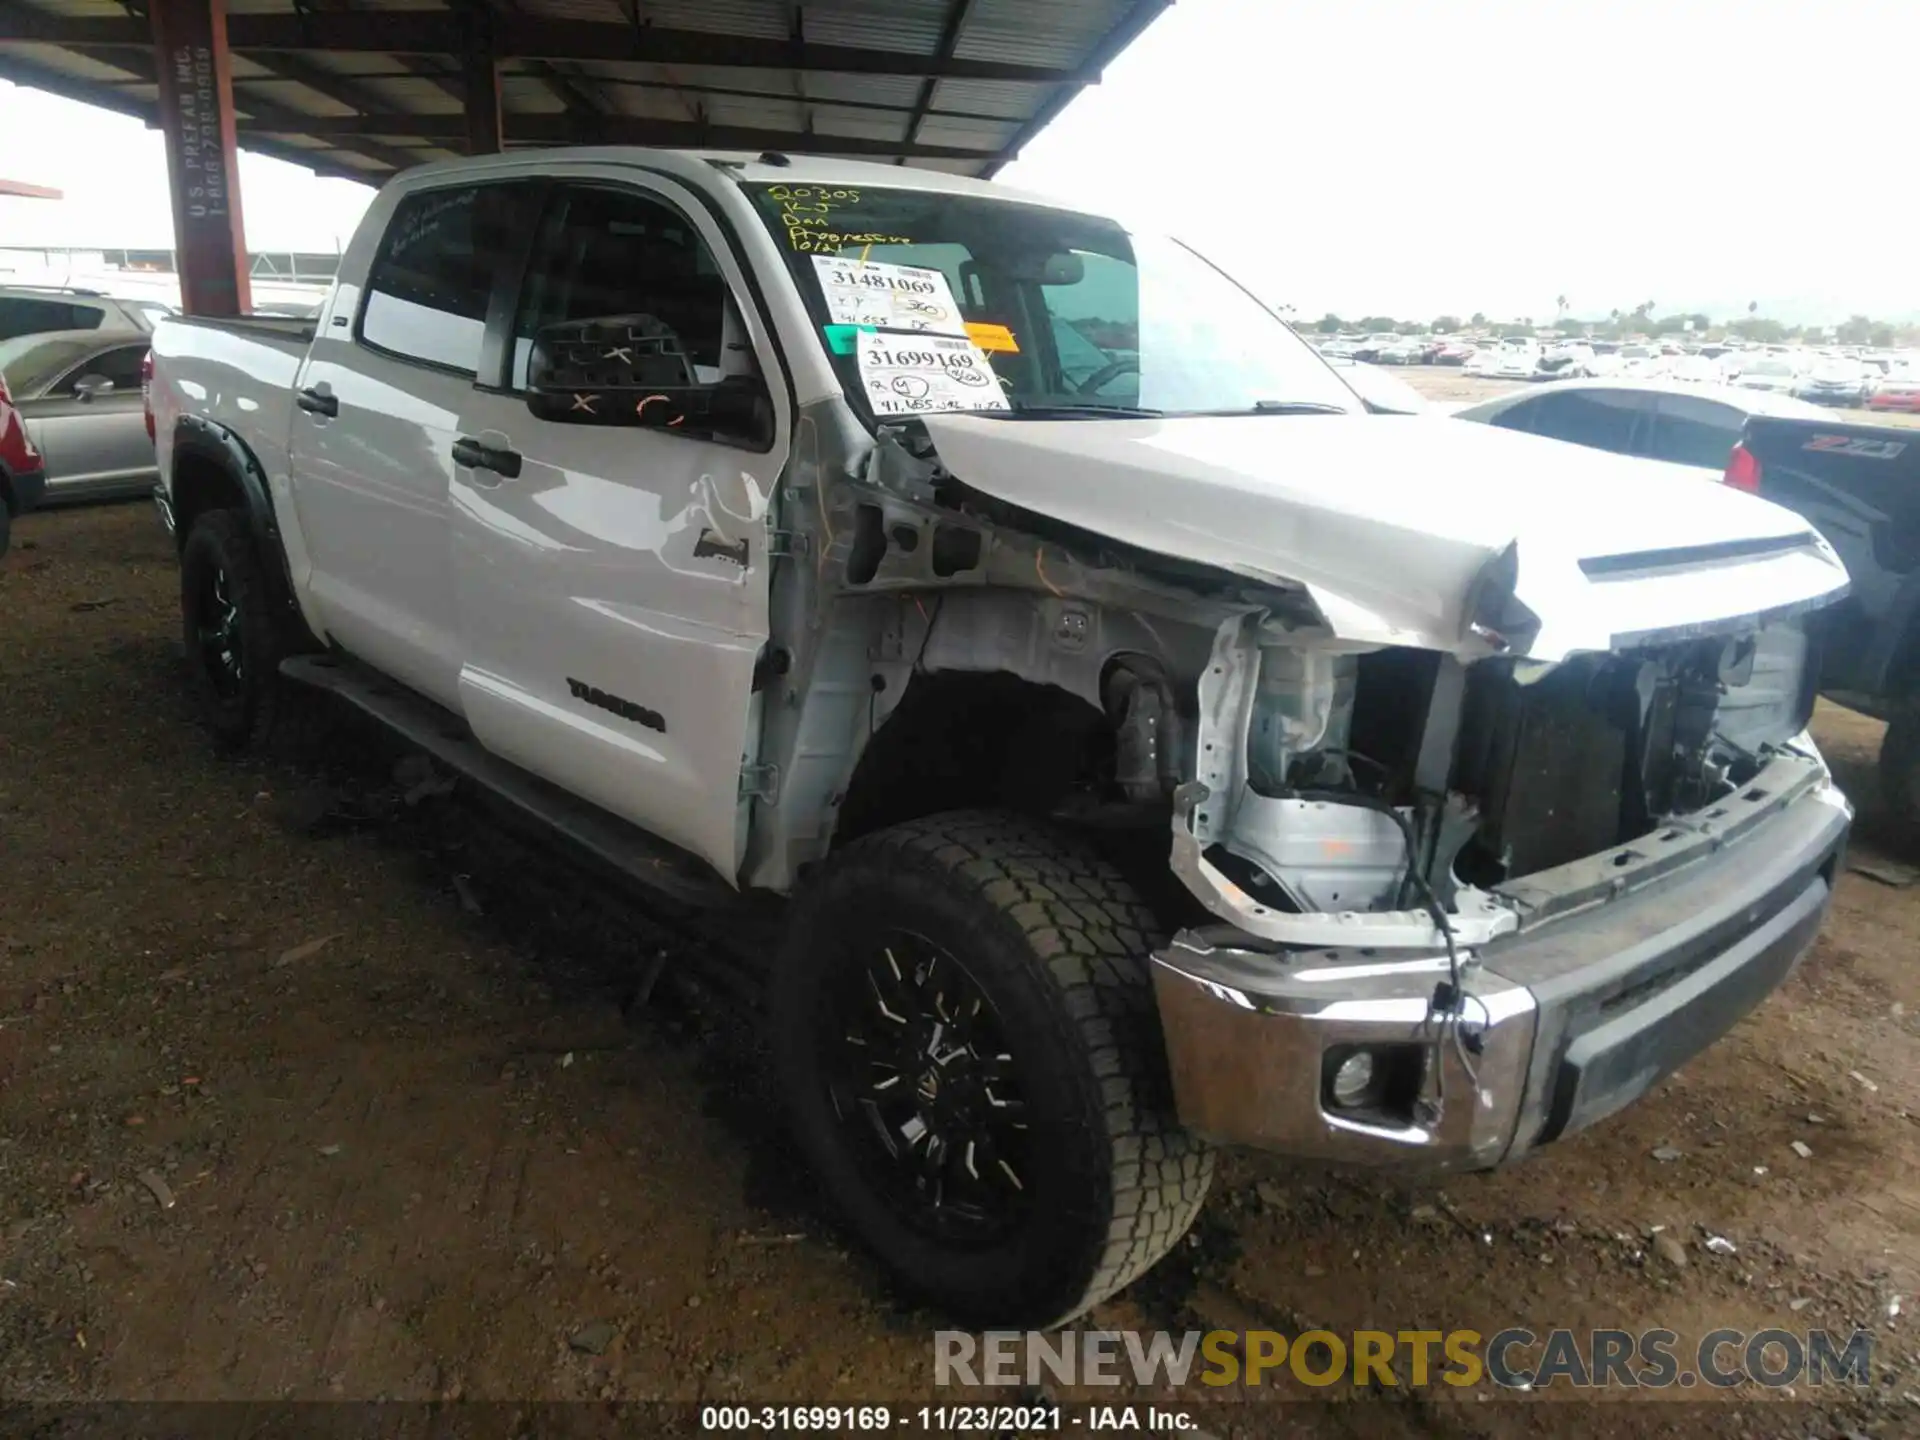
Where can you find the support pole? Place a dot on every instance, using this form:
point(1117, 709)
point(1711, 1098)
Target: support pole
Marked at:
point(196, 119)
point(484, 133)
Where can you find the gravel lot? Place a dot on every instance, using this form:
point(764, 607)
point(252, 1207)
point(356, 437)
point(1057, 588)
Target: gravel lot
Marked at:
point(307, 1092)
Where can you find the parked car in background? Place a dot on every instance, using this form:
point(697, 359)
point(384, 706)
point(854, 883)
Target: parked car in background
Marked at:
point(1568, 361)
point(1407, 350)
point(1455, 352)
point(22, 474)
point(1517, 362)
point(1769, 372)
point(79, 392)
point(1900, 390)
point(41, 309)
point(1484, 363)
point(1369, 349)
point(1641, 362)
point(1859, 485)
point(1669, 420)
point(1384, 392)
point(1694, 370)
point(1835, 382)
point(1340, 347)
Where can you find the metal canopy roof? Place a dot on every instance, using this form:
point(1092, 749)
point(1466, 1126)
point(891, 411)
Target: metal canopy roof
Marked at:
point(360, 88)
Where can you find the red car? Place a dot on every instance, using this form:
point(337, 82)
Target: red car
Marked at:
point(1899, 391)
point(23, 474)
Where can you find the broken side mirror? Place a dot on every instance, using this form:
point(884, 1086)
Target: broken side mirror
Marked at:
point(630, 370)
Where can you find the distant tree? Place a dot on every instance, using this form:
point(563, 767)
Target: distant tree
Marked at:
point(1560, 304)
point(1759, 331)
point(1753, 307)
point(1857, 331)
point(1882, 337)
point(1330, 324)
point(1446, 324)
point(1378, 324)
point(1479, 320)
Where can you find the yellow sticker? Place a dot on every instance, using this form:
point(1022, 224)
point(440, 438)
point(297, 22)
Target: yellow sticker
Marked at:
point(992, 337)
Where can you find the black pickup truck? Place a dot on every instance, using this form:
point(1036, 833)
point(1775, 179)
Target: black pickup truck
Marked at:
point(1860, 486)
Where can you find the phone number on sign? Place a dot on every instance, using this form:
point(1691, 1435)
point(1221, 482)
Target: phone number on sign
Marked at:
point(879, 1418)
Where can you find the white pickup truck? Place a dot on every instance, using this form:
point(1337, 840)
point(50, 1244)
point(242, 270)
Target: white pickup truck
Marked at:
point(1160, 750)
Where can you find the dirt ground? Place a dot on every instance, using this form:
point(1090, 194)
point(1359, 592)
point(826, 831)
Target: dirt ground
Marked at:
point(310, 1093)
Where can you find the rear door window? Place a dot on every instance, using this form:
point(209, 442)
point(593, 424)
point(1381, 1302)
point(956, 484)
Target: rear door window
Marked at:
point(430, 284)
point(1691, 431)
point(1598, 419)
point(30, 315)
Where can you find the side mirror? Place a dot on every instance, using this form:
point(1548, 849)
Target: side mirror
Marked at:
point(630, 370)
point(89, 386)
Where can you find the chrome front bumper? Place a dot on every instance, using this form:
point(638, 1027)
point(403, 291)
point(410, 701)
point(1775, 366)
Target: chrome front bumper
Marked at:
point(1621, 967)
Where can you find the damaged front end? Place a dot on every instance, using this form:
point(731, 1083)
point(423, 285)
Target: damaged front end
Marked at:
point(1466, 907)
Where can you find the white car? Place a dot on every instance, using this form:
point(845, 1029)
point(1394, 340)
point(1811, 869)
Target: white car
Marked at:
point(1769, 372)
point(1694, 370)
point(1484, 363)
point(1572, 360)
point(1517, 362)
point(1673, 421)
point(1142, 747)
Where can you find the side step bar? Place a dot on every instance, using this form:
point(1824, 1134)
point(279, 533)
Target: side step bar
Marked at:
point(615, 843)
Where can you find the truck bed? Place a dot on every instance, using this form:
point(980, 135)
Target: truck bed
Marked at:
point(237, 373)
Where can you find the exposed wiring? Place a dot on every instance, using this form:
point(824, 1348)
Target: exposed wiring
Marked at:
point(1040, 570)
point(1453, 1014)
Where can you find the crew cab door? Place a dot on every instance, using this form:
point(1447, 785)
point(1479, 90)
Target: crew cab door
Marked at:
point(378, 402)
point(612, 581)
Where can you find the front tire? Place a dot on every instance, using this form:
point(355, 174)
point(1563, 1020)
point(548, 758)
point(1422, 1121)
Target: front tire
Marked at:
point(965, 1031)
point(233, 646)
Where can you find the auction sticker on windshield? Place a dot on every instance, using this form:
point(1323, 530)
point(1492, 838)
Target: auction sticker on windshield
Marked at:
point(919, 374)
point(895, 297)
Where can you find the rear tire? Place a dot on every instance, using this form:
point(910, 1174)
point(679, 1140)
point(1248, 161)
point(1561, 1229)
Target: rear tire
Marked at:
point(965, 1031)
point(1900, 768)
point(234, 646)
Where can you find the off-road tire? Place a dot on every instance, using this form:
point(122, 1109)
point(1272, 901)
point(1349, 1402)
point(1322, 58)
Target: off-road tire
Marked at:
point(1059, 942)
point(1900, 768)
point(244, 717)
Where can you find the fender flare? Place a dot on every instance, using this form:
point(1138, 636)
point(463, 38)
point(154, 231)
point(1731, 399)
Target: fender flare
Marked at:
point(211, 441)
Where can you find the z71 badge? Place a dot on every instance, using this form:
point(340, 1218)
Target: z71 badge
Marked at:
point(1856, 445)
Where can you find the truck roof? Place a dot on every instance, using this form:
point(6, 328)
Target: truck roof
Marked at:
point(753, 167)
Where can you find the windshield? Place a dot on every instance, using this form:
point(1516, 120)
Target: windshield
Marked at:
point(928, 301)
point(29, 362)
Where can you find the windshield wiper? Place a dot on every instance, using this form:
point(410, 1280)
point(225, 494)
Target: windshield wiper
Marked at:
point(1077, 412)
point(1280, 407)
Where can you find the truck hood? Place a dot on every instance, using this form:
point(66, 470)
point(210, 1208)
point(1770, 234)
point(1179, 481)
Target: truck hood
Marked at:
point(1389, 522)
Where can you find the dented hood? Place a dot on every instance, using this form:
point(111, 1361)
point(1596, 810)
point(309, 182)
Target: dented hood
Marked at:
point(1388, 521)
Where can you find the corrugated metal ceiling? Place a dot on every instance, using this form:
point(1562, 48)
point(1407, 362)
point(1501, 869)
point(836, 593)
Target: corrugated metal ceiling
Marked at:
point(956, 85)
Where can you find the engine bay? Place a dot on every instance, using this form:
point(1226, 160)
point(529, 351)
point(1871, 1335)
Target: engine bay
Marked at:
point(1397, 778)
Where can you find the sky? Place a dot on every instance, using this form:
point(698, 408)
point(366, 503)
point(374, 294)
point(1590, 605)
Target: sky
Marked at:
point(1402, 157)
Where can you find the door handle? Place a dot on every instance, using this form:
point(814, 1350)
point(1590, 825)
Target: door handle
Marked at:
point(316, 403)
point(475, 456)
